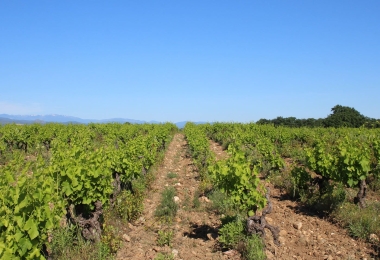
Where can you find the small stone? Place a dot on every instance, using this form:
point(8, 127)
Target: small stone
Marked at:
point(204, 198)
point(297, 225)
point(177, 184)
point(230, 252)
point(131, 226)
point(176, 199)
point(373, 238)
point(283, 233)
point(194, 253)
point(175, 252)
point(126, 238)
point(303, 241)
point(211, 236)
point(156, 248)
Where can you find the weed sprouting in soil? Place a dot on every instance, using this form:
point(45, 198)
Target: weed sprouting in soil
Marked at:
point(220, 203)
point(232, 232)
point(167, 208)
point(196, 202)
point(361, 223)
point(253, 248)
point(186, 201)
point(165, 237)
point(68, 244)
point(172, 175)
point(233, 235)
point(164, 256)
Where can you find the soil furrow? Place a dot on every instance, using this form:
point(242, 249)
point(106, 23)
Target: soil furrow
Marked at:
point(194, 228)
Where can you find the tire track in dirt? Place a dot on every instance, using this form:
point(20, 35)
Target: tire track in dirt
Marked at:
point(195, 228)
point(303, 234)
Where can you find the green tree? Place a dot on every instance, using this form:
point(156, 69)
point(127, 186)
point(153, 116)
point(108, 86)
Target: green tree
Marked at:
point(344, 117)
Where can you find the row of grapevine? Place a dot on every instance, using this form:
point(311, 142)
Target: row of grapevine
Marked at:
point(238, 178)
point(346, 156)
point(48, 171)
point(199, 146)
point(234, 176)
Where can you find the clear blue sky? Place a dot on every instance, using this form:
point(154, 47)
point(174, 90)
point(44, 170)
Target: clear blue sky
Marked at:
point(189, 60)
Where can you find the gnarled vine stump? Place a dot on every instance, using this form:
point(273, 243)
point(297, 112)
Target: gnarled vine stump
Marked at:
point(257, 224)
point(91, 228)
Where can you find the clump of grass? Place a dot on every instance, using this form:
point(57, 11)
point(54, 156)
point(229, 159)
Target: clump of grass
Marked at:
point(167, 208)
point(172, 175)
point(128, 206)
point(112, 224)
point(232, 232)
point(299, 184)
point(166, 256)
point(333, 197)
point(234, 235)
point(220, 203)
point(206, 183)
point(283, 181)
point(186, 202)
point(68, 244)
point(165, 237)
point(360, 222)
point(196, 202)
point(253, 248)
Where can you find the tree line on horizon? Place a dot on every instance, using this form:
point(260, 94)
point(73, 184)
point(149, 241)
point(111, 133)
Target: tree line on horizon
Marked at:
point(341, 116)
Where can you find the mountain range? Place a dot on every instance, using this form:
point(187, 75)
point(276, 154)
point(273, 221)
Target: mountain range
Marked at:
point(30, 119)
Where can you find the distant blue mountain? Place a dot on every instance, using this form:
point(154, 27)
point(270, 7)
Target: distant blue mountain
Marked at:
point(67, 119)
point(44, 118)
point(23, 122)
point(30, 119)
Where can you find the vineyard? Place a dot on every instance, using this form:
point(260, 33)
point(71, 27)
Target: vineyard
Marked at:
point(57, 177)
point(54, 174)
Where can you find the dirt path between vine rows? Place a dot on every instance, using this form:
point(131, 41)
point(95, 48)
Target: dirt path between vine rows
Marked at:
point(195, 229)
point(304, 235)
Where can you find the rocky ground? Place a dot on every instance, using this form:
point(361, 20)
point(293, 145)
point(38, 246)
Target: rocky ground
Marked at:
point(303, 235)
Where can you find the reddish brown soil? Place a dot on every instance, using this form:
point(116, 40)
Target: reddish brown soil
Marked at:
point(195, 229)
point(317, 238)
